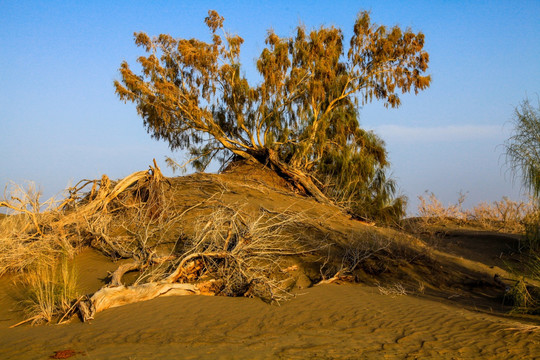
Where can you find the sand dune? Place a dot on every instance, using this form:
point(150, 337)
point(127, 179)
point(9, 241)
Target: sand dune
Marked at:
point(323, 322)
point(347, 321)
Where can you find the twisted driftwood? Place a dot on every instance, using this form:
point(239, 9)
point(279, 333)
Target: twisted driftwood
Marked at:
point(117, 294)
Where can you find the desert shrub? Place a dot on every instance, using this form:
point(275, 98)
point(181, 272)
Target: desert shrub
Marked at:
point(523, 159)
point(433, 211)
point(524, 298)
point(244, 252)
point(354, 255)
point(504, 215)
point(507, 215)
point(396, 289)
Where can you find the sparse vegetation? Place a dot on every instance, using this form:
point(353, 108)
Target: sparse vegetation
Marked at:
point(505, 215)
point(48, 290)
point(26, 235)
point(523, 158)
point(394, 290)
point(523, 147)
point(227, 249)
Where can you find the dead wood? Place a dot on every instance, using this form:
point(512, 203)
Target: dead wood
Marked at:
point(102, 199)
point(181, 268)
point(32, 214)
point(338, 278)
point(25, 321)
point(116, 276)
point(109, 297)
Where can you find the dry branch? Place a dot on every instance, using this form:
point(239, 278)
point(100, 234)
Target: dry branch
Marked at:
point(32, 214)
point(109, 297)
point(116, 276)
point(180, 270)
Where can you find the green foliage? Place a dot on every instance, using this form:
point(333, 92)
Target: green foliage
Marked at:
point(301, 119)
point(357, 181)
point(523, 147)
point(523, 156)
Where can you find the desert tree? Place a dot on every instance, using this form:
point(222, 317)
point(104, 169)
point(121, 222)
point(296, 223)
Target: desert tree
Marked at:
point(523, 146)
point(523, 157)
point(301, 119)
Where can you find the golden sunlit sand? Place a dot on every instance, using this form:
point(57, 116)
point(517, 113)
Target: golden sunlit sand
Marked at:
point(443, 305)
point(329, 321)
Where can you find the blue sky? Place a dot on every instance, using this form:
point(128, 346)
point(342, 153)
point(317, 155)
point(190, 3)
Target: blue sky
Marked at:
point(60, 120)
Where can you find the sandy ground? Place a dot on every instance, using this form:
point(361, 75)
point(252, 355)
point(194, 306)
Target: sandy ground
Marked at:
point(348, 321)
point(323, 322)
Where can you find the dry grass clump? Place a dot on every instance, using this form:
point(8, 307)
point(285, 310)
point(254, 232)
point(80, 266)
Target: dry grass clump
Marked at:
point(26, 234)
point(523, 295)
point(47, 291)
point(524, 298)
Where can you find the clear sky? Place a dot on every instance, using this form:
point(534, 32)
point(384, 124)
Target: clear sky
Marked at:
point(60, 120)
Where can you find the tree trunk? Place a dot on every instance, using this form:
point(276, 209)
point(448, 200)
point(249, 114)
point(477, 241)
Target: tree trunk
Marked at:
point(297, 177)
point(270, 157)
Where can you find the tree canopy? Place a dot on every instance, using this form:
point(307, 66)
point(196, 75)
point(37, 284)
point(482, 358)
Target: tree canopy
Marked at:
point(523, 147)
point(301, 120)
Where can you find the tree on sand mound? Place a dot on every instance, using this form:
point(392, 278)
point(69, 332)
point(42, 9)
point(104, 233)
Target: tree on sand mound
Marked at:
point(301, 120)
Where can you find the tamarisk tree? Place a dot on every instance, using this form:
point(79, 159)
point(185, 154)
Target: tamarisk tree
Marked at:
point(301, 120)
point(523, 147)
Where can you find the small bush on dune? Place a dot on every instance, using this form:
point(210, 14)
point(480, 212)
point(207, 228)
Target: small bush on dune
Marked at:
point(432, 211)
point(504, 215)
point(524, 297)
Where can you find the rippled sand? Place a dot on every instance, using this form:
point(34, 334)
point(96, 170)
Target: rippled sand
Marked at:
point(324, 322)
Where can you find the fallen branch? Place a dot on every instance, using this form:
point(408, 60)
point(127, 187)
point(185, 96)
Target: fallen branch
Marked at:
point(25, 321)
point(109, 297)
point(116, 276)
